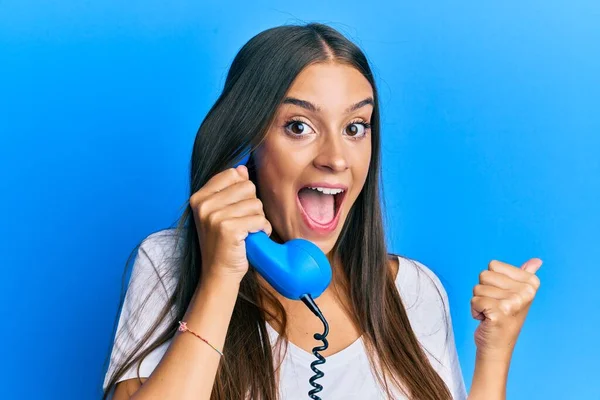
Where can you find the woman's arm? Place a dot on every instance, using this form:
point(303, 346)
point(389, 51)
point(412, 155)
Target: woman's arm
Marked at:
point(188, 368)
point(501, 302)
point(489, 379)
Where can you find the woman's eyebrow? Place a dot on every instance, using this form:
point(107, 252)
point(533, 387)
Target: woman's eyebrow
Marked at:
point(311, 107)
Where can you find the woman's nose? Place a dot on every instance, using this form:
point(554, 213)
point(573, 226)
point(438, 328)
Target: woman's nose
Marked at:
point(332, 156)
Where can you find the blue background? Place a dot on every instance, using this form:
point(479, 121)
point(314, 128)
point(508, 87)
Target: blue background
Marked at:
point(490, 142)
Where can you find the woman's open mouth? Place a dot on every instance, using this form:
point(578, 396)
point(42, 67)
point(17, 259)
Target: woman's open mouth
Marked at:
point(320, 206)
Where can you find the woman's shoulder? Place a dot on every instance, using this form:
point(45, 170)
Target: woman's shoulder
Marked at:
point(414, 276)
point(422, 292)
point(162, 245)
point(156, 265)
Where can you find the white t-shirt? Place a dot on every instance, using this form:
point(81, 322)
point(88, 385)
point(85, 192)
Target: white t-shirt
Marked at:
point(348, 373)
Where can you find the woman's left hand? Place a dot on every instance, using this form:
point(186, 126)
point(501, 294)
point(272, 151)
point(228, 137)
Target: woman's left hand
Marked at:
point(501, 302)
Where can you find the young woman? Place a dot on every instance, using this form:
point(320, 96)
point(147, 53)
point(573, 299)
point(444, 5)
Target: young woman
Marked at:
point(198, 322)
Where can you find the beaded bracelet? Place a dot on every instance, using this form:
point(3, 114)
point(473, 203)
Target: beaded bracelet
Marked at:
point(183, 328)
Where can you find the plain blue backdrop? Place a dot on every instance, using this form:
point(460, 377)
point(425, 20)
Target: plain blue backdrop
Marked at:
point(490, 142)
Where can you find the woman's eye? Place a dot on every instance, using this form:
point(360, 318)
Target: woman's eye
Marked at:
point(356, 129)
point(298, 128)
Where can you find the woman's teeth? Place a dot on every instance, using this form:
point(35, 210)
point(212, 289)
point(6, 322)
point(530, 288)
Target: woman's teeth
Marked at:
point(327, 190)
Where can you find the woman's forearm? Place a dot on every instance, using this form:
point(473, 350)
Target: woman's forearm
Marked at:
point(188, 368)
point(490, 378)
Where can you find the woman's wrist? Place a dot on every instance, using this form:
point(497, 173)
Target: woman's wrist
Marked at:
point(490, 377)
point(220, 276)
point(218, 279)
point(218, 286)
point(211, 306)
point(498, 356)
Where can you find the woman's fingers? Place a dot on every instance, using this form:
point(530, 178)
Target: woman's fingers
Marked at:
point(242, 208)
point(490, 291)
point(482, 307)
point(497, 279)
point(234, 193)
point(229, 195)
point(229, 228)
point(525, 274)
point(218, 183)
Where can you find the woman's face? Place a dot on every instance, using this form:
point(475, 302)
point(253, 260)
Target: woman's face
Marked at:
point(319, 139)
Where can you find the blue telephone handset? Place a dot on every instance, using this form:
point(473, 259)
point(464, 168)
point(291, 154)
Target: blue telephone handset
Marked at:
point(295, 268)
point(299, 270)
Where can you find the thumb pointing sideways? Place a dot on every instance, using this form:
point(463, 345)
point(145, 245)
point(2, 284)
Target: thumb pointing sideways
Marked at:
point(532, 265)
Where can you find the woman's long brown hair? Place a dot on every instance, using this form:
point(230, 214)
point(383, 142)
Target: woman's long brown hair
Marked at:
point(258, 80)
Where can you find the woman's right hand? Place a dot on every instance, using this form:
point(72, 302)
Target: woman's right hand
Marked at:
point(225, 210)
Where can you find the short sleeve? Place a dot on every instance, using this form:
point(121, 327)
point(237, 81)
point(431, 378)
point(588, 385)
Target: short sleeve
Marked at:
point(151, 284)
point(428, 310)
